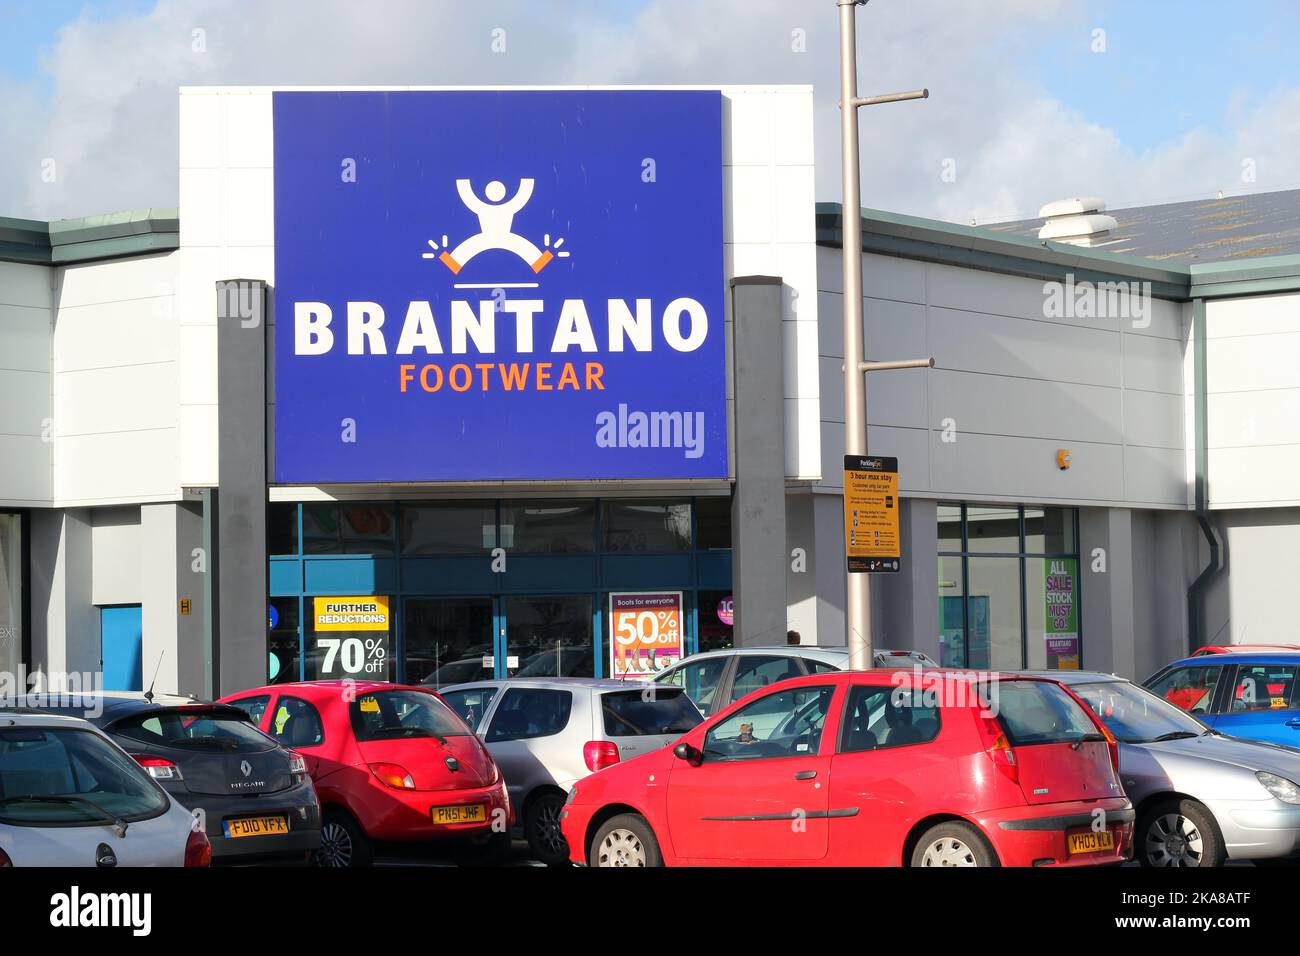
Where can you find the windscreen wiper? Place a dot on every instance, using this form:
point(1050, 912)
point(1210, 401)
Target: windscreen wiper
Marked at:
point(119, 824)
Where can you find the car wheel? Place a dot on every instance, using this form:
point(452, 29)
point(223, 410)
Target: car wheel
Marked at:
point(1179, 832)
point(953, 844)
point(625, 840)
point(542, 828)
point(342, 842)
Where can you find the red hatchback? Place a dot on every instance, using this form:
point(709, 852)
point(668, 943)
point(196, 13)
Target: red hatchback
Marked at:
point(874, 768)
point(390, 764)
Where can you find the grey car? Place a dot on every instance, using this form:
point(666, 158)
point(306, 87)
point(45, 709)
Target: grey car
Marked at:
point(1201, 796)
point(546, 734)
point(714, 679)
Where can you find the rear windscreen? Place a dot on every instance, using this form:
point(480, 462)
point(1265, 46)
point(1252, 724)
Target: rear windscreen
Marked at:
point(394, 714)
point(216, 730)
point(656, 710)
point(1036, 712)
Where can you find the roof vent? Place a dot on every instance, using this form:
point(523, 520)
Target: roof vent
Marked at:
point(1080, 222)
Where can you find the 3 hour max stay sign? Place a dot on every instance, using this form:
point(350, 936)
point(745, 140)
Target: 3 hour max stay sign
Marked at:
point(479, 285)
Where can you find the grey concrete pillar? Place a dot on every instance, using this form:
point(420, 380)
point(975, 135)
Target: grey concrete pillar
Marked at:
point(1106, 551)
point(65, 624)
point(758, 505)
point(241, 583)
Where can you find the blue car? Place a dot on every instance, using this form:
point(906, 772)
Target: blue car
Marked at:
point(1254, 696)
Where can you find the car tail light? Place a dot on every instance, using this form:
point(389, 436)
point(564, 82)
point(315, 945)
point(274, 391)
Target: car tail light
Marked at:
point(600, 754)
point(998, 746)
point(4, 860)
point(159, 768)
point(198, 851)
point(393, 775)
point(297, 765)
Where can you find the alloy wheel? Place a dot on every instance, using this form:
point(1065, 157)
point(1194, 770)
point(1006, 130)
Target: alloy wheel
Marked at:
point(1174, 840)
point(335, 846)
point(549, 833)
point(621, 847)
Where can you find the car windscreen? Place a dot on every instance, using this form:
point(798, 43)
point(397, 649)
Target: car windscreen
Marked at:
point(1038, 712)
point(221, 730)
point(53, 776)
point(394, 714)
point(1135, 715)
point(655, 710)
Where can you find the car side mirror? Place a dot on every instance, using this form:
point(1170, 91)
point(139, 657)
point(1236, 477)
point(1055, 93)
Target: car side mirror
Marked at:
point(689, 754)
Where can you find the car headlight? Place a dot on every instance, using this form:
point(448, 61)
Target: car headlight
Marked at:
point(1280, 787)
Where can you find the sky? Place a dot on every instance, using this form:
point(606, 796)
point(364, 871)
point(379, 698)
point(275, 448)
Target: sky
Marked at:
point(1135, 101)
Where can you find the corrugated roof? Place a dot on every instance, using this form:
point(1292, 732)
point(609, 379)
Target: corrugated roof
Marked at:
point(1202, 230)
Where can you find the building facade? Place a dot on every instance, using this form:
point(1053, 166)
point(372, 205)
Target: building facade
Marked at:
point(235, 450)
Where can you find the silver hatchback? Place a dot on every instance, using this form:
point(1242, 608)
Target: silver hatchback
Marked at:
point(1201, 796)
point(548, 733)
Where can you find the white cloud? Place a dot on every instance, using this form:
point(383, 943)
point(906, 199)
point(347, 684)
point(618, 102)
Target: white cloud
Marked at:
point(110, 118)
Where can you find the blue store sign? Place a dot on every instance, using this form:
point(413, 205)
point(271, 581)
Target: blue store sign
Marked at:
point(499, 285)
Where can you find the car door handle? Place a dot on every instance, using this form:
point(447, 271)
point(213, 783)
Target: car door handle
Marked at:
point(805, 774)
point(1293, 722)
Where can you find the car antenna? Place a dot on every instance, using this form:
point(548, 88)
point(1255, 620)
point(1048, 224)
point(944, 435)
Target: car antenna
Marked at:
point(148, 695)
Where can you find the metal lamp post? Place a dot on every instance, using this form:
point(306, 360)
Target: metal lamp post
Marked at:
point(857, 610)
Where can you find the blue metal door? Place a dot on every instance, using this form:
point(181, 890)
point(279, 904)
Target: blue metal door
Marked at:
point(121, 635)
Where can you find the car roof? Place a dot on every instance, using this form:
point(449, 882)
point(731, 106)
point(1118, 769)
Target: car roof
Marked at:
point(321, 688)
point(1252, 657)
point(1077, 677)
point(554, 683)
point(108, 706)
point(31, 718)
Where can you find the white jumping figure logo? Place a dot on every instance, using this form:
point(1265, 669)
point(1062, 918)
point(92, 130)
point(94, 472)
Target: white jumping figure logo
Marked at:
point(496, 217)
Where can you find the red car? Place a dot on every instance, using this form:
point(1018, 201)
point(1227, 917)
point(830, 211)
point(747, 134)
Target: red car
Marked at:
point(874, 768)
point(390, 764)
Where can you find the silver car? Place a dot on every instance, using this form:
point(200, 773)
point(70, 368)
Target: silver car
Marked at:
point(1201, 796)
point(548, 733)
point(69, 796)
point(714, 679)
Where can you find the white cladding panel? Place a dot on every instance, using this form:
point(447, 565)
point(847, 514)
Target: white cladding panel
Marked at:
point(1015, 379)
point(1252, 372)
point(26, 323)
point(116, 434)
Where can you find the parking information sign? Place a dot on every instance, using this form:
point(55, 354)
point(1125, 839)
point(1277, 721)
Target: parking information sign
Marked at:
point(645, 632)
point(871, 513)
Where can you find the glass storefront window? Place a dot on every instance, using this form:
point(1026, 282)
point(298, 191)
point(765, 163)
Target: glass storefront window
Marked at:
point(11, 592)
point(949, 528)
point(952, 613)
point(993, 602)
point(447, 640)
point(448, 527)
point(337, 528)
point(648, 525)
point(1007, 601)
point(716, 614)
point(282, 528)
point(712, 523)
point(282, 640)
point(1049, 531)
point(563, 526)
point(549, 636)
point(993, 530)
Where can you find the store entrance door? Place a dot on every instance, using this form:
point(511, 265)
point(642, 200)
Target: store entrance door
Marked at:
point(549, 636)
point(450, 640)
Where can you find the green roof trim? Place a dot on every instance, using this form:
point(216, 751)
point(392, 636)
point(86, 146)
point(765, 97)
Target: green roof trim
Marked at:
point(110, 236)
point(933, 240)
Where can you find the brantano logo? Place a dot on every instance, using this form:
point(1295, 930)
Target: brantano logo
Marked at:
point(496, 216)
